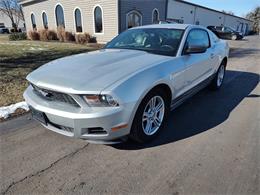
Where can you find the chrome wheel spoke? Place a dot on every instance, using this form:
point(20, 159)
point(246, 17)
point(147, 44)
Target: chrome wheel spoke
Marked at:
point(157, 122)
point(148, 126)
point(152, 104)
point(158, 107)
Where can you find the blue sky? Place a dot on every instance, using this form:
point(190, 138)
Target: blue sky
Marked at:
point(239, 7)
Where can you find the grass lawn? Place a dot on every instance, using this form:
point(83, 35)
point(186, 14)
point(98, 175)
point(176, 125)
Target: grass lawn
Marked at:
point(18, 58)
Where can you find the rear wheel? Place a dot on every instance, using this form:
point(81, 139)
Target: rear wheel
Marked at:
point(219, 78)
point(150, 116)
point(234, 37)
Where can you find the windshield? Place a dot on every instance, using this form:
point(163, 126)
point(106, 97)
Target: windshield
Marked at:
point(160, 41)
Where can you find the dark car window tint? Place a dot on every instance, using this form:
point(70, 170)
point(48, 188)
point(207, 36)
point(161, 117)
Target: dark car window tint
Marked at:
point(226, 29)
point(198, 37)
point(219, 28)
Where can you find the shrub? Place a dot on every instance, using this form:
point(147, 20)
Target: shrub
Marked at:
point(17, 36)
point(93, 40)
point(52, 35)
point(82, 38)
point(63, 35)
point(60, 32)
point(43, 35)
point(68, 36)
point(33, 35)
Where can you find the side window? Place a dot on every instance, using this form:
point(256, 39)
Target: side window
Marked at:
point(214, 38)
point(219, 28)
point(33, 22)
point(44, 20)
point(98, 19)
point(198, 37)
point(226, 29)
point(60, 21)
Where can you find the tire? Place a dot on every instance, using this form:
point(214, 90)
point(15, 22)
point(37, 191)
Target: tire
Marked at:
point(219, 77)
point(140, 131)
point(234, 37)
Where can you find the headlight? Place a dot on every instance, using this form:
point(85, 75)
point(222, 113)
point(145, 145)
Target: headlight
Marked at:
point(100, 100)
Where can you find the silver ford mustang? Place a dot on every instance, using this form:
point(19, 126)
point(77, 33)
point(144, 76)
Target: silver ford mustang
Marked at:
point(128, 88)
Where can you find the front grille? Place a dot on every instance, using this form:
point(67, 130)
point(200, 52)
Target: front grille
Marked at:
point(68, 129)
point(61, 127)
point(54, 96)
point(96, 130)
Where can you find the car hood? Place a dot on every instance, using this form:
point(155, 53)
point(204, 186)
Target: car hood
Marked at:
point(92, 72)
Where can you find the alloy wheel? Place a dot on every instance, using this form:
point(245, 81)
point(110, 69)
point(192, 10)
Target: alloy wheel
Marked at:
point(221, 74)
point(153, 115)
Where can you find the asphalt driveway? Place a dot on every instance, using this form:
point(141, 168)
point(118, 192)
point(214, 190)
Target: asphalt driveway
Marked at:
point(211, 145)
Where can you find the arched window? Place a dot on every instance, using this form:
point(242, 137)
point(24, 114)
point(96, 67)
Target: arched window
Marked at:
point(59, 16)
point(98, 19)
point(78, 21)
point(133, 18)
point(33, 22)
point(155, 16)
point(44, 20)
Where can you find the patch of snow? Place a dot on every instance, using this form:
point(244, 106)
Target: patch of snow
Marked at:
point(32, 49)
point(5, 111)
point(37, 49)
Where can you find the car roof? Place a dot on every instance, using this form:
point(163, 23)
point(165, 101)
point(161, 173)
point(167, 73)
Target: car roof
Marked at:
point(167, 26)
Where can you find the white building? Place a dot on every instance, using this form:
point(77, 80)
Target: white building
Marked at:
point(104, 19)
point(186, 12)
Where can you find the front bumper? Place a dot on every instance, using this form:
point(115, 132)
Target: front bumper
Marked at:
point(94, 124)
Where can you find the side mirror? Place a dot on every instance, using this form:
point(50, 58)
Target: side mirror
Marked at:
point(193, 49)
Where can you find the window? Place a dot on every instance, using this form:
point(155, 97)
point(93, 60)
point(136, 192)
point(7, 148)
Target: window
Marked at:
point(227, 29)
point(152, 40)
point(78, 21)
point(155, 16)
point(133, 19)
point(59, 16)
point(214, 38)
point(198, 37)
point(98, 20)
point(45, 20)
point(219, 28)
point(33, 22)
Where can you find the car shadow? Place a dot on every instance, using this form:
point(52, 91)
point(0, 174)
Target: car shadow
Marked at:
point(204, 111)
point(243, 52)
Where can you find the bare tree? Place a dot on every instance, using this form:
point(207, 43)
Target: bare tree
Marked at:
point(228, 12)
point(13, 11)
point(255, 17)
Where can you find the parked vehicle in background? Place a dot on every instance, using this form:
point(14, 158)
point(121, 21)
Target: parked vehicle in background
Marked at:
point(3, 29)
point(166, 22)
point(128, 88)
point(224, 32)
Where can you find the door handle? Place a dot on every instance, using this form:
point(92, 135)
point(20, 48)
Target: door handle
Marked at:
point(212, 55)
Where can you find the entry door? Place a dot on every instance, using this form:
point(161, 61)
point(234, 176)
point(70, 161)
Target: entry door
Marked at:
point(198, 66)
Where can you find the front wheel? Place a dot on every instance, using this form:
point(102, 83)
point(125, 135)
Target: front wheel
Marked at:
point(219, 77)
point(150, 116)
